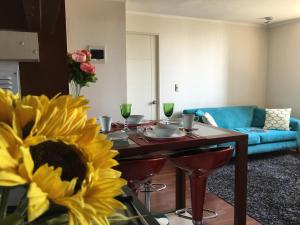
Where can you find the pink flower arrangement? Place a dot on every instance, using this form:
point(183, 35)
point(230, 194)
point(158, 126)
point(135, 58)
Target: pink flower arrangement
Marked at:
point(79, 56)
point(81, 70)
point(88, 68)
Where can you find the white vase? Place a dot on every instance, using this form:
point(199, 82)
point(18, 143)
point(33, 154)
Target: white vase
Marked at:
point(75, 89)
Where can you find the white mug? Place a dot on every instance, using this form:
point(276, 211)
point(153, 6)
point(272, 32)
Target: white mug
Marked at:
point(188, 121)
point(105, 122)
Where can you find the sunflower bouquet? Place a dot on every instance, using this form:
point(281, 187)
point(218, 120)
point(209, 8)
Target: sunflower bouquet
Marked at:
point(50, 149)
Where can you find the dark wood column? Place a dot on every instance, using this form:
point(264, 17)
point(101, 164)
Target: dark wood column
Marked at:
point(50, 75)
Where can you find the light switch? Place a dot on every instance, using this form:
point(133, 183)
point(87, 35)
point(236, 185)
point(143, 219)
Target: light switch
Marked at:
point(176, 88)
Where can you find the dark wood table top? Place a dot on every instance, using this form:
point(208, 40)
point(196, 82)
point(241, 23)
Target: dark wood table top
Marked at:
point(204, 135)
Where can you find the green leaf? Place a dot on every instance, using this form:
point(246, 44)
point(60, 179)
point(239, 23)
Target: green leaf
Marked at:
point(58, 220)
point(117, 217)
point(12, 219)
point(4, 200)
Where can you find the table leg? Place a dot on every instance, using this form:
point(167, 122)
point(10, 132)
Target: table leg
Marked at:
point(240, 195)
point(180, 189)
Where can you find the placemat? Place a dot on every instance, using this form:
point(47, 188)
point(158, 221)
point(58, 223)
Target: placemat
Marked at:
point(144, 141)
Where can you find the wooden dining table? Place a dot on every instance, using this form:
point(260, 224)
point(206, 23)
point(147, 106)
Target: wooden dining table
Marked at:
point(139, 146)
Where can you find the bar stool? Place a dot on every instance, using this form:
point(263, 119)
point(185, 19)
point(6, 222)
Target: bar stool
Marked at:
point(198, 165)
point(139, 173)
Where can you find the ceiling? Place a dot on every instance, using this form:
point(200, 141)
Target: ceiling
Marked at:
point(246, 11)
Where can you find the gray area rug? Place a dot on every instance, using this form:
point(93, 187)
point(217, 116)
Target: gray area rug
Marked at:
point(273, 187)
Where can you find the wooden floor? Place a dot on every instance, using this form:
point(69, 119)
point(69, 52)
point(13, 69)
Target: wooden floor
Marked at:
point(164, 201)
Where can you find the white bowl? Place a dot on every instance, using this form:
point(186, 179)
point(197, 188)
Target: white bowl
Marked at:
point(134, 119)
point(164, 130)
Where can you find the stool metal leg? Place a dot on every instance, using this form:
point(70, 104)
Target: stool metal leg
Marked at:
point(197, 222)
point(181, 212)
point(212, 213)
point(147, 190)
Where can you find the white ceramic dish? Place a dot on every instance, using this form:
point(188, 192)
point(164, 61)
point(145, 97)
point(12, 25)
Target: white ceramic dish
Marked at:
point(164, 130)
point(150, 134)
point(134, 119)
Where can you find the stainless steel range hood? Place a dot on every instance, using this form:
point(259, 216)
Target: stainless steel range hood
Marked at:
point(19, 46)
point(10, 76)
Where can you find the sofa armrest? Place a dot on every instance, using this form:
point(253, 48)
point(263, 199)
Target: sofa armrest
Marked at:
point(295, 126)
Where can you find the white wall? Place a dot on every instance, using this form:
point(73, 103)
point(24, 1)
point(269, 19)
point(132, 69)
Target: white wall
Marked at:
point(100, 22)
point(214, 63)
point(284, 67)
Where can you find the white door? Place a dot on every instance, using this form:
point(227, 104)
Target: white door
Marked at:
point(142, 74)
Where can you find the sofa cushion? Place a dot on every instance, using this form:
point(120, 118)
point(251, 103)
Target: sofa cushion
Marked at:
point(277, 135)
point(229, 117)
point(278, 119)
point(208, 119)
point(253, 136)
point(259, 117)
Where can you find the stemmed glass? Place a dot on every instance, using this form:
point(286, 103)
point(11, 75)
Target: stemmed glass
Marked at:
point(168, 110)
point(125, 112)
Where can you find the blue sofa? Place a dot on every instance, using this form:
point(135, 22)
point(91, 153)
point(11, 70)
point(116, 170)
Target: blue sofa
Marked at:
point(250, 120)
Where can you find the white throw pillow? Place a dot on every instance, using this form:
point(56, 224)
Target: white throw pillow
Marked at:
point(278, 119)
point(208, 119)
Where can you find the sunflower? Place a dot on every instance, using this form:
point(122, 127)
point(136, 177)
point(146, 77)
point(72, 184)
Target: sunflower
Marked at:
point(52, 142)
point(11, 154)
point(25, 112)
point(7, 100)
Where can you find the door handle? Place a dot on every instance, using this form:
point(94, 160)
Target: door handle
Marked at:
point(153, 102)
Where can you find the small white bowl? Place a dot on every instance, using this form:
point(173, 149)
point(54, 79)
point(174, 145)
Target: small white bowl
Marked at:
point(164, 130)
point(134, 119)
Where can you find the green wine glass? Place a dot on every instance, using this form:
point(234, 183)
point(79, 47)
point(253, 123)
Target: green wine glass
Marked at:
point(168, 110)
point(125, 112)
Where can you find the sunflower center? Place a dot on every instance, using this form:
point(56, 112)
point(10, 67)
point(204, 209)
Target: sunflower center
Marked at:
point(59, 154)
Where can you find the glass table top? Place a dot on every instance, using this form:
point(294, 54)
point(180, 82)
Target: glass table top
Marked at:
point(200, 130)
point(206, 131)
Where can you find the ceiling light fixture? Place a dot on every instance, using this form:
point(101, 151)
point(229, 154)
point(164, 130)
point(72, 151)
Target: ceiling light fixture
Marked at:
point(268, 19)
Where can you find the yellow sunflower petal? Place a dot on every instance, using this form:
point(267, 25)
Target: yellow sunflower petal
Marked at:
point(22, 116)
point(7, 162)
point(76, 209)
point(26, 111)
point(101, 220)
point(26, 168)
point(35, 140)
point(38, 202)
point(46, 175)
point(8, 178)
point(99, 196)
point(107, 173)
point(9, 140)
point(89, 133)
point(7, 99)
point(72, 219)
point(62, 118)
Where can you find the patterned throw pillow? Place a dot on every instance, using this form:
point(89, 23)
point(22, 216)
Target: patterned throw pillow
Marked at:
point(278, 119)
point(208, 119)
